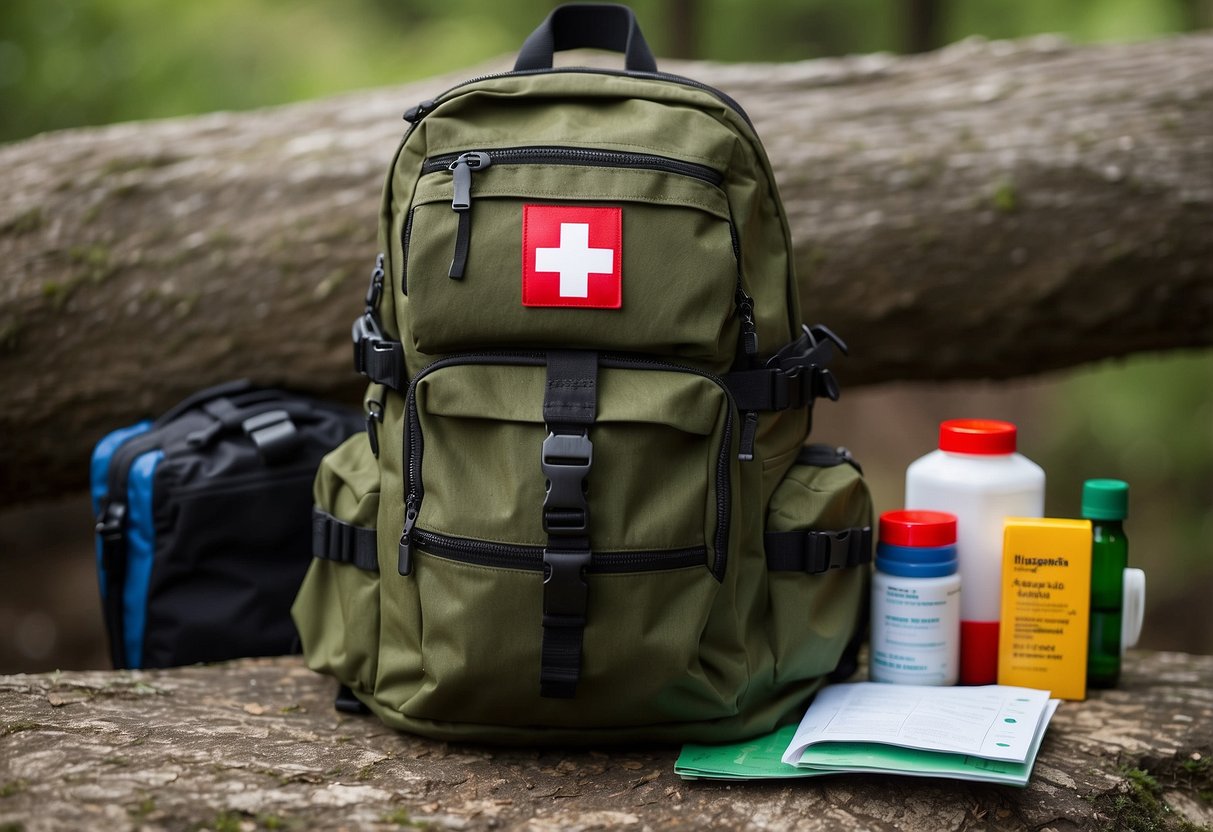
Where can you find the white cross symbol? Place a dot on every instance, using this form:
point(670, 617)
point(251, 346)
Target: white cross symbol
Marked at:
point(575, 260)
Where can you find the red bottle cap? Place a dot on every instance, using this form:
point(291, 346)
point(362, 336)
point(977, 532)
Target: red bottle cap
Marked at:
point(918, 528)
point(977, 436)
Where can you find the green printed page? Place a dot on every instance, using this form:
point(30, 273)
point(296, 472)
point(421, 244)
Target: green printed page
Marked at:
point(760, 758)
point(874, 758)
point(754, 759)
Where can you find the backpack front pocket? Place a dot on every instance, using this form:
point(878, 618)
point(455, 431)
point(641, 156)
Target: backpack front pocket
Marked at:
point(534, 247)
point(658, 497)
point(818, 543)
point(337, 609)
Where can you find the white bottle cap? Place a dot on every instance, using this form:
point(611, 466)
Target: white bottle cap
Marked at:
point(1134, 609)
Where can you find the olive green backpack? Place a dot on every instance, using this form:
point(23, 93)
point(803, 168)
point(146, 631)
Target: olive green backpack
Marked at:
point(583, 510)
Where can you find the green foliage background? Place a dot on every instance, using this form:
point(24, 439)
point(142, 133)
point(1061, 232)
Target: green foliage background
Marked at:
point(65, 63)
point(1149, 419)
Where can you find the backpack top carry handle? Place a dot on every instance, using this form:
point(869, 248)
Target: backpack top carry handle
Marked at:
point(587, 26)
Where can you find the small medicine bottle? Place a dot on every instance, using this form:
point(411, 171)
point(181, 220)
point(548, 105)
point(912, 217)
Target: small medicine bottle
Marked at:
point(977, 475)
point(916, 600)
point(1106, 504)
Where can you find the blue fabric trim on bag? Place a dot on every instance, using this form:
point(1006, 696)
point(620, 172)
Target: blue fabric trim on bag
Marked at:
point(99, 470)
point(140, 552)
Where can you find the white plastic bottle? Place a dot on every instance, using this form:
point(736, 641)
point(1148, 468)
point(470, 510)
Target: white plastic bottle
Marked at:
point(977, 475)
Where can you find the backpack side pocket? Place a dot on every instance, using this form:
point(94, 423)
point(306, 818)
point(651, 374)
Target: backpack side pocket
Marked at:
point(337, 609)
point(818, 545)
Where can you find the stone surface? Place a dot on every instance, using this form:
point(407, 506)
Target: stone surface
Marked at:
point(256, 744)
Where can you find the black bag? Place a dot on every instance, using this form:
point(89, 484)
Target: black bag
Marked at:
point(204, 523)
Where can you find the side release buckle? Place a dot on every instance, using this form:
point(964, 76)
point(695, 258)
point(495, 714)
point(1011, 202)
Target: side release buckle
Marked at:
point(273, 433)
point(566, 462)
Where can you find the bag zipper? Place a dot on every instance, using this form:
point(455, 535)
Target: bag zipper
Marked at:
point(111, 529)
point(414, 115)
point(414, 442)
point(111, 515)
point(514, 556)
point(462, 165)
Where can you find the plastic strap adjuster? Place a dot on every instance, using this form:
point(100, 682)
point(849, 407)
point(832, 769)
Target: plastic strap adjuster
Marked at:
point(378, 358)
point(273, 433)
point(830, 550)
point(342, 542)
point(816, 551)
point(566, 463)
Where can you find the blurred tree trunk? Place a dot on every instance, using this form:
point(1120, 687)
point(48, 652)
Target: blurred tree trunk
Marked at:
point(922, 25)
point(1198, 14)
point(682, 22)
point(989, 210)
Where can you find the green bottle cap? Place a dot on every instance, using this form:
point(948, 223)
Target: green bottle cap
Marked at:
point(1105, 499)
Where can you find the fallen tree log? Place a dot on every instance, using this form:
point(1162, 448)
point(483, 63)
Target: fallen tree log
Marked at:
point(256, 744)
point(989, 210)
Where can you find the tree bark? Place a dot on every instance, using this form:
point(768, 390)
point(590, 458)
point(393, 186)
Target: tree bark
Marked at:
point(256, 744)
point(988, 210)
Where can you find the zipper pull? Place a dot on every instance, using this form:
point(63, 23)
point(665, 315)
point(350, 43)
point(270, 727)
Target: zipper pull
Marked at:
point(461, 203)
point(749, 432)
point(749, 330)
point(462, 169)
point(404, 564)
point(374, 417)
point(375, 291)
point(417, 112)
point(110, 521)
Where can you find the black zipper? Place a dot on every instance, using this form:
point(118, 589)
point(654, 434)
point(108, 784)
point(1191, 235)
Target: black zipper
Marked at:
point(405, 234)
point(111, 529)
point(581, 156)
point(512, 556)
point(111, 517)
point(462, 165)
point(414, 115)
point(414, 442)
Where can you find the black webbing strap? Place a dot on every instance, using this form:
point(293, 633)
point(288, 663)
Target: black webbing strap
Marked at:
point(816, 551)
point(375, 356)
point(570, 405)
point(335, 540)
point(793, 377)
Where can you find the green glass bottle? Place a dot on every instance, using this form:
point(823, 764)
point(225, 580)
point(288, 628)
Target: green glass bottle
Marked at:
point(1106, 504)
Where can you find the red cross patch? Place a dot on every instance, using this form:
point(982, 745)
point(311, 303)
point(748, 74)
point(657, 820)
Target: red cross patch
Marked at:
point(572, 256)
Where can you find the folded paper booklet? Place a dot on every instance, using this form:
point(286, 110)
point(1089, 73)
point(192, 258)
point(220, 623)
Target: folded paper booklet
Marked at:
point(990, 734)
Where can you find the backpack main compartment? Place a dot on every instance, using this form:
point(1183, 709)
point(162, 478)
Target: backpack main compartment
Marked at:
point(573, 484)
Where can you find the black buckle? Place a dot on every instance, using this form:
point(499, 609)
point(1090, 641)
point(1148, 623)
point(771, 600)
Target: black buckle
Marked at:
point(110, 521)
point(566, 463)
point(801, 372)
point(826, 550)
point(378, 358)
point(366, 333)
point(273, 433)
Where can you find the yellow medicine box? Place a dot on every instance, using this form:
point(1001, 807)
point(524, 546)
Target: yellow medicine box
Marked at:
point(1046, 602)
